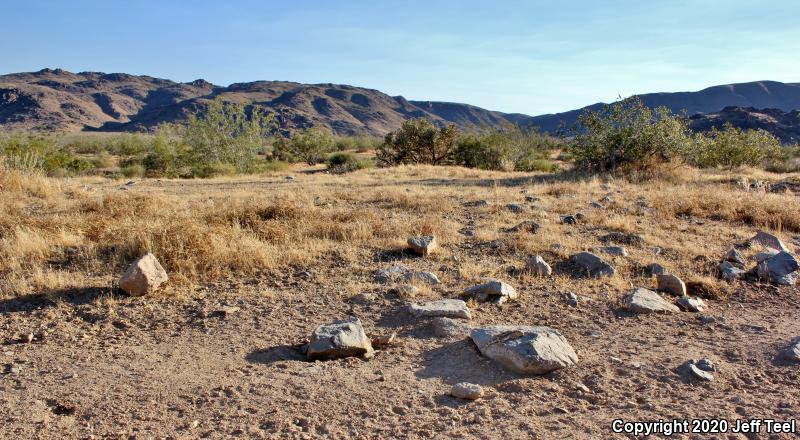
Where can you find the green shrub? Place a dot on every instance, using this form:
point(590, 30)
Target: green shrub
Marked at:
point(418, 141)
point(346, 162)
point(629, 136)
point(133, 170)
point(733, 147)
point(508, 148)
point(360, 144)
point(103, 159)
point(309, 145)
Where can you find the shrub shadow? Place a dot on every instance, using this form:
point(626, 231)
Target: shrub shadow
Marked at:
point(76, 297)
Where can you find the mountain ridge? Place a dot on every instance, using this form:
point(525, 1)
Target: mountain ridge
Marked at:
point(56, 99)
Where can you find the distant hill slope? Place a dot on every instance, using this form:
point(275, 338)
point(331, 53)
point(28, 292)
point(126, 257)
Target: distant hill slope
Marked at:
point(784, 125)
point(61, 100)
point(760, 94)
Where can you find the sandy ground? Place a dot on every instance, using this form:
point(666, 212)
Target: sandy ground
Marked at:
point(103, 365)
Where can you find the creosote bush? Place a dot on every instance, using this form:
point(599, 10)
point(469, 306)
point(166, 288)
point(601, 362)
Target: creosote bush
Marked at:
point(733, 147)
point(418, 141)
point(310, 145)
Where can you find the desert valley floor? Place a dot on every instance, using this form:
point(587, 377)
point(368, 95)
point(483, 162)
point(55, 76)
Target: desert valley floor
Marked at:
point(257, 263)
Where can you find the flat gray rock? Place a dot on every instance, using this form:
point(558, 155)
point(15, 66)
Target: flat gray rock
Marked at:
point(450, 328)
point(525, 349)
point(781, 269)
point(646, 301)
point(655, 269)
point(691, 304)
point(734, 257)
point(339, 339)
point(493, 291)
point(448, 308)
point(594, 266)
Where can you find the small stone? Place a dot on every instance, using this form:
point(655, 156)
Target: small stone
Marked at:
point(526, 226)
point(532, 199)
point(288, 178)
point(492, 291)
point(768, 240)
point(793, 352)
point(571, 299)
point(729, 272)
point(339, 339)
point(569, 220)
point(365, 298)
point(706, 364)
point(448, 308)
point(516, 208)
point(538, 266)
point(691, 304)
point(655, 269)
point(143, 276)
point(423, 245)
point(28, 338)
point(450, 328)
point(594, 266)
point(607, 199)
point(692, 368)
point(390, 274)
point(735, 257)
point(596, 205)
point(468, 391)
point(423, 277)
point(477, 203)
point(613, 250)
point(671, 284)
point(384, 341)
point(525, 349)
point(646, 301)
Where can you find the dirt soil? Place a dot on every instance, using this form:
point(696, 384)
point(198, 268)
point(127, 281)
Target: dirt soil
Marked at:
point(104, 365)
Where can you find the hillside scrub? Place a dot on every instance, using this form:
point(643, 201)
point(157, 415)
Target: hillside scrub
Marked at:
point(310, 145)
point(509, 148)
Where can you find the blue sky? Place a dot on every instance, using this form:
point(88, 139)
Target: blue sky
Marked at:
point(515, 56)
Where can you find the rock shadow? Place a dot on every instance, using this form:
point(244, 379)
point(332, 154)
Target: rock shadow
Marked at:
point(278, 353)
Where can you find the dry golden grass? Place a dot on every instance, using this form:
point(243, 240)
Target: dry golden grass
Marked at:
point(72, 233)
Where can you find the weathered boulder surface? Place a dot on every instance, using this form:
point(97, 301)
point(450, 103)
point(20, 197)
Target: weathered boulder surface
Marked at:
point(143, 276)
point(423, 245)
point(646, 301)
point(450, 328)
point(344, 338)
point(492, 291)
point(448, 308)
point(594, 266)
point(781, 269)
point(691, 304)
point(537, 266)
point(671, 284)
point(525, 349)
point(768, 240)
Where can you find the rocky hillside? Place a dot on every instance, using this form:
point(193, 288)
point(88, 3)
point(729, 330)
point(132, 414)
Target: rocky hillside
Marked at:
point(61, 100)
point(760, 94)
point(784, 125)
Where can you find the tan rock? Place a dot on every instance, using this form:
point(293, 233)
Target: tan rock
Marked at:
point(143, 276)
